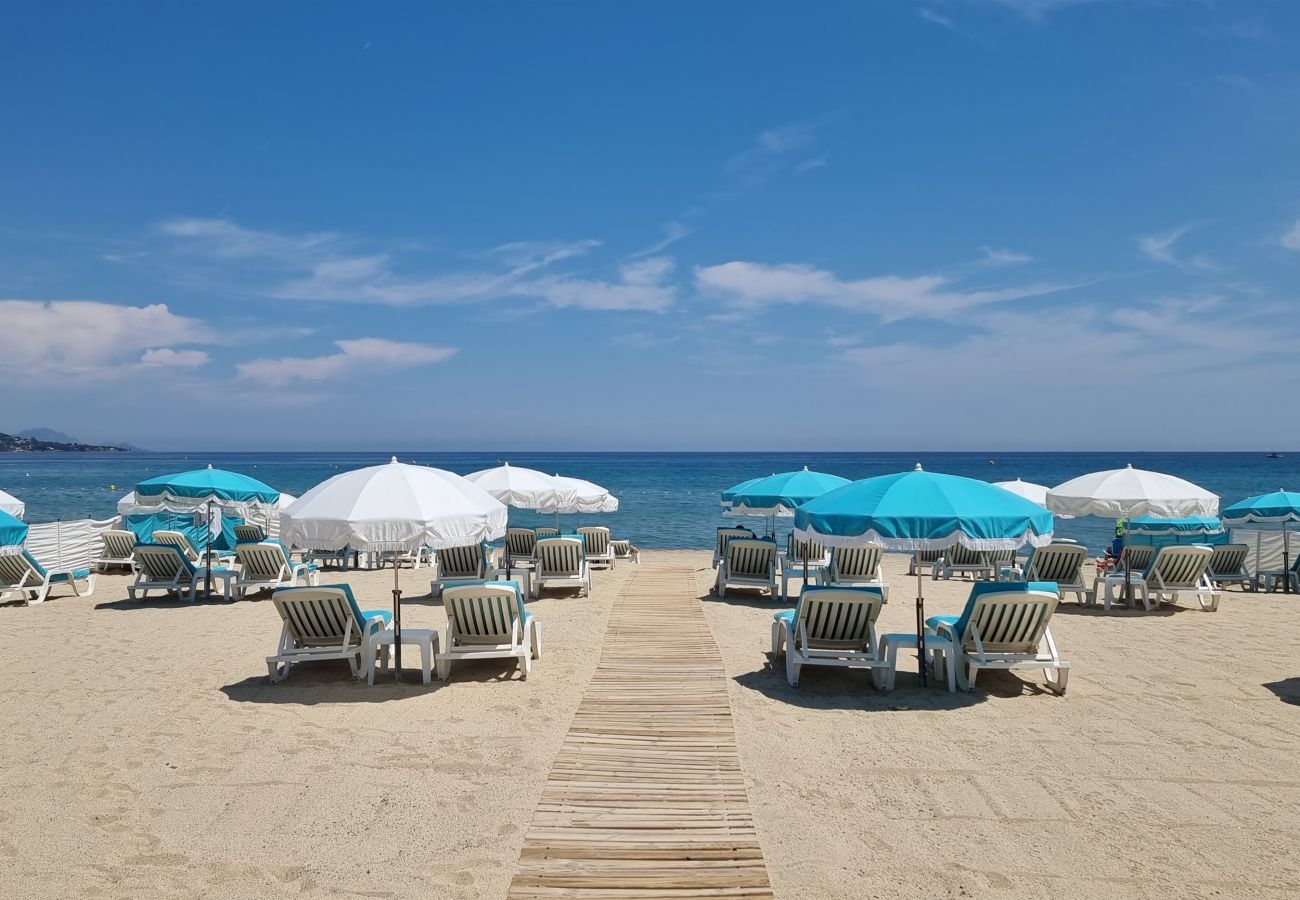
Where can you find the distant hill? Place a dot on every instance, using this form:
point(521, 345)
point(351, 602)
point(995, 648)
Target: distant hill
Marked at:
point(15, 443)
point(47, 434)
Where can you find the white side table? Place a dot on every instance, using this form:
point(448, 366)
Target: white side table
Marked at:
point(227, 576)
point(425, 638)
point(938, 649)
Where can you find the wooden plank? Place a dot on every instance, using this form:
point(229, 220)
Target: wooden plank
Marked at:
point(646, 798)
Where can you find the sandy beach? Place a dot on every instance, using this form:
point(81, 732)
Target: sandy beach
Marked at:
point(146, 755)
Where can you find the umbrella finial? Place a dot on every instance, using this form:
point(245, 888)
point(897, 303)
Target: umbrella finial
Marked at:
point(209, 465)
point(805, 468)
point(393, 460)
point(918, 468)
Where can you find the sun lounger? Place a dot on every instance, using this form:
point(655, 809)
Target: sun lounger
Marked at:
point(21, 574)
point(724, 535)
point(547, 532)
point(596, 544)
point(458, 565)
point(923, 560)
point(1061, 563)
point(520, 543)
point(488, 621)
point(324, 622)
point(178, 539)
point(625, 550)
point(1271, 579)
point(248, 533)
point(748, 562)
point(961, 560)
point(1005, 626)
point(163, 568)
point(1179, 570)
point(1228, 565)
point(854, 567)
point(830, 626)
point(116, 547)
point(560, 562)
point(267, 565)
point(802, 560)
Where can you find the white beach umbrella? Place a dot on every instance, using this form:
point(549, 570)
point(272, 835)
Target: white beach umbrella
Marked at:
point(1127, 492)
point(12, 505)
point(579, 496)
point(1035, 493)
point(521, 487)
point(393, 507)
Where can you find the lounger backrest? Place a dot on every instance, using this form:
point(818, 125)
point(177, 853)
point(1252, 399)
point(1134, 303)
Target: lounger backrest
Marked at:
point(839, 617)
point(520, 541)
point(1010, 621)
point(980, 589)
point(559, 556)
point(726, 534)
point(547, 532)
point(465, 561)
point(595, 540)
point(961, 555)
point(804, 551)
point(750, 557)
point(246, 533)
point(320, 616)
point(1179, 566)
point(1062, 563)
point(855, 562)
point(1229, 559)
point(264, 561)
point(1137, 557)
point(176, 539)
point(17, 569)
point(117, 544)
point(484, 613)
point(163, 562)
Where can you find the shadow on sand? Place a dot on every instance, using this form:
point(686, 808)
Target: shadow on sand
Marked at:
point(1287, 690)
point(331, 681)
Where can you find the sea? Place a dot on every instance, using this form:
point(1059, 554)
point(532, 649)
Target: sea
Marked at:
point(667, 500)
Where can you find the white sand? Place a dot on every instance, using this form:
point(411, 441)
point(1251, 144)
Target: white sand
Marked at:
point(145, 755)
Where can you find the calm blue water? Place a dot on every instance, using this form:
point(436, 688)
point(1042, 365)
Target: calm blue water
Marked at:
point(667, 499)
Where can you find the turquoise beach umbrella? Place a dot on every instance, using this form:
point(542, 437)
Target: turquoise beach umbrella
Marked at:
point(1185, 525)
point(204, 484)
point(1280, 508)
point(921, 510)
point(778, 495)
point(13, 532)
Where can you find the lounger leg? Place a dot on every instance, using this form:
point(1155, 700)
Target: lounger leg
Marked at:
point(778, 637)
point(1057, 685)
point(537, 639)
point(792, 666)
point(276, 670)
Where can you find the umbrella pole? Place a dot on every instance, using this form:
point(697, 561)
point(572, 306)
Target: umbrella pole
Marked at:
point(920, 631)
point(207, 554)
point(1286, 560)
point(397, 621)
point(1128, 572)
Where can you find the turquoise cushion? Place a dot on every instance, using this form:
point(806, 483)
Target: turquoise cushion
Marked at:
point(77, 575)
point(980, 588)
point(383, 615)
point(36, 567)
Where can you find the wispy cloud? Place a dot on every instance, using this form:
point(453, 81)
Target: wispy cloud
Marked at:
point(363, 355)
point(928, 15)
point(994, 256)
point(673, 231)
point(643, 285)
point(1162, 248)
point(1291, 239)
point(892, 297)
point(770, 153)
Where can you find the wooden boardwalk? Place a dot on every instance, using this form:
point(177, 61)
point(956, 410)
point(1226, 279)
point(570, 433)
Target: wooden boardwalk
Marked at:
point(646, 798)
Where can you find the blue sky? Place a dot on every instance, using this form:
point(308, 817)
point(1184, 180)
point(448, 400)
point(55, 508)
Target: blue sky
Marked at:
point(1003, 224)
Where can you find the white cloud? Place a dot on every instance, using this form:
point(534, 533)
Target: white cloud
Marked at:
point(167, 357)
point(359, 355)
point(994, 256)
point(1291, 239)
point(929, 15)
point(1161, 248)
point(642, 286)
point(673, 232)
point(75, 337)
point(892, 297)
point(229, 240)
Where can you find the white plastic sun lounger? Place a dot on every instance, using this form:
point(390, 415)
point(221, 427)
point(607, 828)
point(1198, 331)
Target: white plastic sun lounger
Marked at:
point(1005, 626)
point(21, 574)
point(831, 626)
point(961, 560)
point(597, 546)
point(520, 543)
point(116, 547)
point(560, 562)
point(324, 622)
point(488, 621)
point(267, 565)
point(178, 539)
point(1062, 564)
point(724, 535)
point(1228, 565)
point(458, 565)
point(163, 568)
point(1179, 570)
point(855, 567)
point(748, 562)
point(803, 560)
point(248, 533)
point(922, 560)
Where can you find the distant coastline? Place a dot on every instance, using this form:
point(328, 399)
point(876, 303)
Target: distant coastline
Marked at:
point(10, 443)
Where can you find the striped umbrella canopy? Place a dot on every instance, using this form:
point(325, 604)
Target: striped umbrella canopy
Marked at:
point(1183, 525)
point(1279, 507)
point(189, 490)
point(13, 532)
